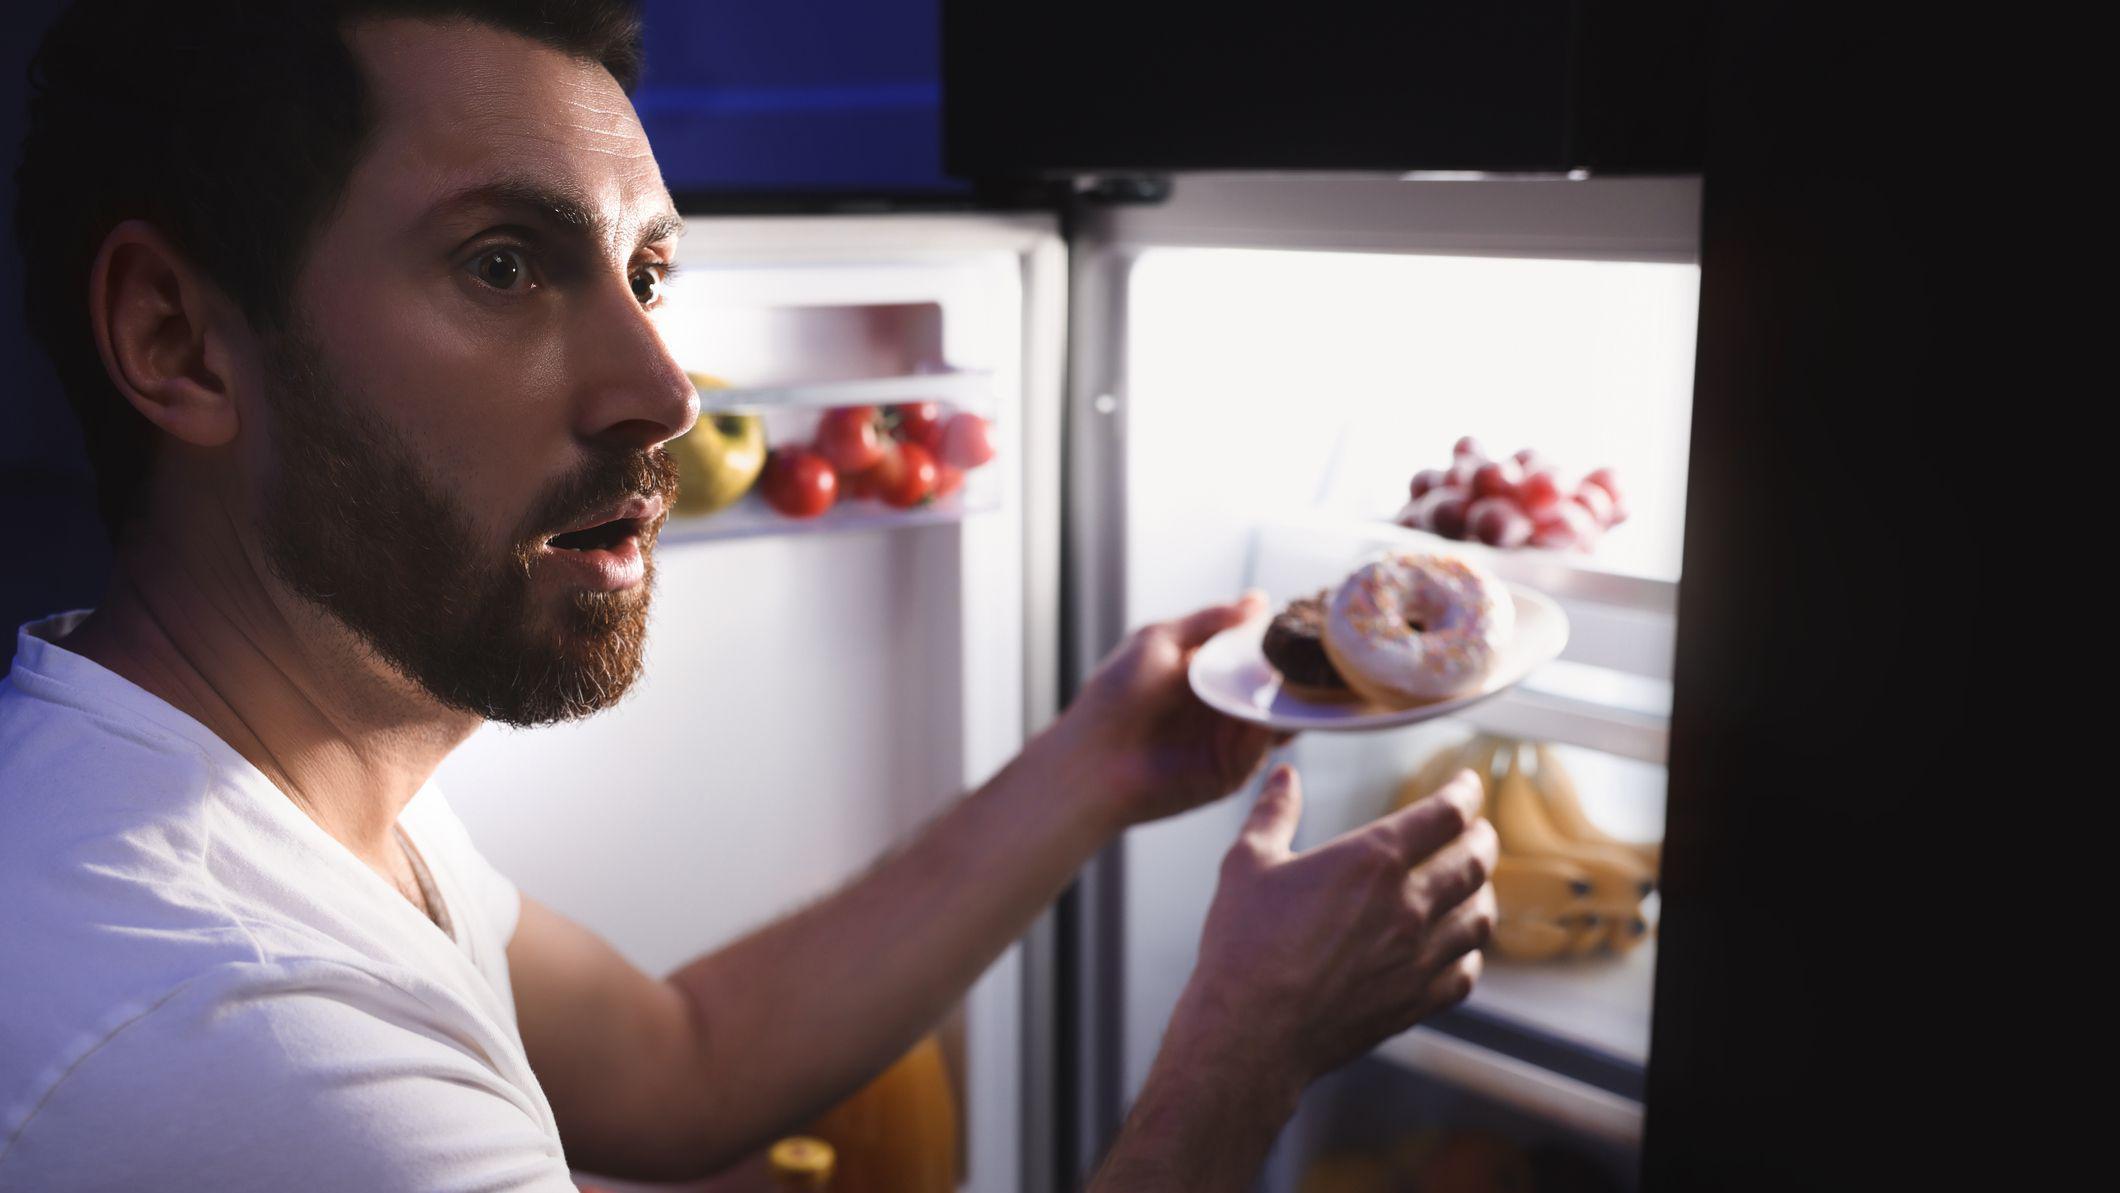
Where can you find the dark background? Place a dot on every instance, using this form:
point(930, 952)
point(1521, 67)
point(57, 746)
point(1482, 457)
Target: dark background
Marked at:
point(795, 96)
point(47, 499)
point(1612, 86)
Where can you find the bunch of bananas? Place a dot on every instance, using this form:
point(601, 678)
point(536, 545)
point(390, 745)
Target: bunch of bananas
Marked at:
point(1563, 887)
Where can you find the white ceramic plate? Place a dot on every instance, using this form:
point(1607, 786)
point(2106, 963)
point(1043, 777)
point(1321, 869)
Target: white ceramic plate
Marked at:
point(1231, 674)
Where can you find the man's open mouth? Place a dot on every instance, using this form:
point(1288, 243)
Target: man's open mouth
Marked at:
point(596, 538)
point(610, 528)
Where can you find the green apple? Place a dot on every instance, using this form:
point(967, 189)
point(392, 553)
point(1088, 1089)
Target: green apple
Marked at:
point(718, 461)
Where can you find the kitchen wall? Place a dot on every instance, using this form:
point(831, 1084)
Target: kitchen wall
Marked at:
point(795, 96)
point(58, 558)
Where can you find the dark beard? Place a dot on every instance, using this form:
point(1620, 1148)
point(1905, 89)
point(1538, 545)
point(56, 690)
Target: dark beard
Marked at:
point(355, 523)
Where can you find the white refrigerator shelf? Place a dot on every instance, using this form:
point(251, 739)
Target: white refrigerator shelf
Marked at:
point(1530, 713)
point(1579, 1105)
point(752, 518)
point(1600, 1004)
point(958, 387)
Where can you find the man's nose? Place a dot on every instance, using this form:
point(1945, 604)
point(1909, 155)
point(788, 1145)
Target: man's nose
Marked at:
point(633, 393)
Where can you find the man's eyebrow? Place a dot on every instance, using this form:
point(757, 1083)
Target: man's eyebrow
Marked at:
point(667, 226)
point(567, 208)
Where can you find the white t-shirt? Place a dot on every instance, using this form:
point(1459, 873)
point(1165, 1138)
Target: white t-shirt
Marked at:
point(201, 989)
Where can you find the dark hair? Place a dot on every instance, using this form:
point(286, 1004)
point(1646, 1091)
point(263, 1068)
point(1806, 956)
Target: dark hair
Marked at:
point(232, 126)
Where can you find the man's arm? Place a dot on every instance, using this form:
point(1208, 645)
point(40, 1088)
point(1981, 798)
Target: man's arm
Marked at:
point(1306, 962)
point(1205, 1118)
point(672, 1079)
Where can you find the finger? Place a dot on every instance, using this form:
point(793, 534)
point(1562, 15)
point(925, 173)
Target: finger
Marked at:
point(1455, 983)
point(1454, 873)
point(1441, 991)
point(1426, 825)
point(1271, 827)
point(1467, 929)
point(1198, 626)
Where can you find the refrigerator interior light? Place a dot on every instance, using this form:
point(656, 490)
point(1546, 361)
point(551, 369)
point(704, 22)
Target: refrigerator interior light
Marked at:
point(1576, 175)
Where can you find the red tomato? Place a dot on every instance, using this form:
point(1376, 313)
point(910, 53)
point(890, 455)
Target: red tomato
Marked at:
point(799, 483)
point(1605, 479)
point(848, 439)
point(947, 481)
point(860, 484)
point(921, 423)
point(968, 441)
point(906, 477)
point(1428, 478)
point(1468, 446)
point(885, 473)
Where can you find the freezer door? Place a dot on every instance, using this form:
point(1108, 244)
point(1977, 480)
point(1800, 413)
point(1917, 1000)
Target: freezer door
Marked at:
point(1121, 85)
point(1258, 366)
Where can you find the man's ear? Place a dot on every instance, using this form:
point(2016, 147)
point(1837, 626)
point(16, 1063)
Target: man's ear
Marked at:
point(161, 327)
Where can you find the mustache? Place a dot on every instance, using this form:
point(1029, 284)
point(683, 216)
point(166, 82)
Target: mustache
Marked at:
point(601, 482)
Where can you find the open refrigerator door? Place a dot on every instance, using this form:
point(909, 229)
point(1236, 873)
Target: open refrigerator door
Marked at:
point(816, 688)
point(1263, 365)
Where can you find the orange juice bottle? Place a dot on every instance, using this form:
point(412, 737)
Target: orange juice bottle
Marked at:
point(801, 1164)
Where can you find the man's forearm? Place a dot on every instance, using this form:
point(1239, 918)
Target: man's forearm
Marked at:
point(795, 1016)
point(1206, 1117)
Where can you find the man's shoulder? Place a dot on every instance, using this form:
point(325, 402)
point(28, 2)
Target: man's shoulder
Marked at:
point(99, 829)
point(102, 808)
point(104, 839)
point(116, 868)
point(55, 752)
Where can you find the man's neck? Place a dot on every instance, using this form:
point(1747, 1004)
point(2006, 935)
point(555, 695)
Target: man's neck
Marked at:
point(349, 740)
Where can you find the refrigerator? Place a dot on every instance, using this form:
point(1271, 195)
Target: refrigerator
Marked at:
point(1262, 362)
point(1230, 386)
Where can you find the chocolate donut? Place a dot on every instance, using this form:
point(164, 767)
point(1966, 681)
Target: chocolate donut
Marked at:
point(1295, 646)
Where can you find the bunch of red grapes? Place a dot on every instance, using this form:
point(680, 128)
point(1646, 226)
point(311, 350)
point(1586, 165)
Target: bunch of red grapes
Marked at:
point(1513, 502)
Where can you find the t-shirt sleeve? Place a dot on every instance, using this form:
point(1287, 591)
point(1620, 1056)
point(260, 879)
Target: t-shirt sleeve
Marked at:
point(286, 1085)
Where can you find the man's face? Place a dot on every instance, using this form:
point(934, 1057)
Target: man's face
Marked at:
point(464, 423)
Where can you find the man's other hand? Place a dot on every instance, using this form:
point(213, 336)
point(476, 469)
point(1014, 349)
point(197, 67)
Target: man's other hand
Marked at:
point(1309, 960)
